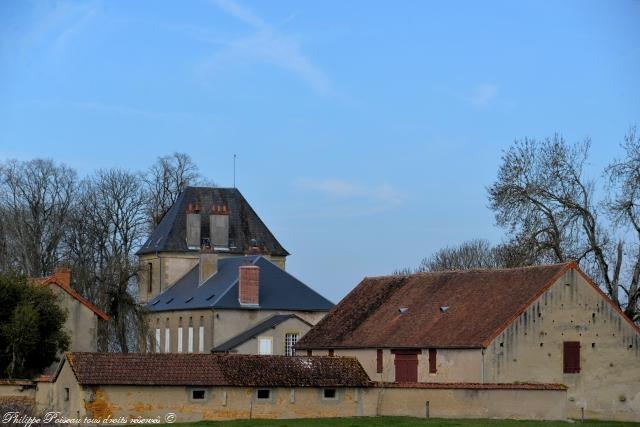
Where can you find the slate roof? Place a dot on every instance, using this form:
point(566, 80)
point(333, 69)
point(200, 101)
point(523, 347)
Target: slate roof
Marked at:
point(481, 303)
point(279, 290)
point(216, 370)
point(244, 224)
point(254, 331)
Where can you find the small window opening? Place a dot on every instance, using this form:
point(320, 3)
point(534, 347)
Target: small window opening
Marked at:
point(501, 344)
point(66, 394)
point(593, 345)
point(263, 394)
point(197, 394)
point(329, 393)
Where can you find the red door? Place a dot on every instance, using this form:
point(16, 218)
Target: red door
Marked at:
point(406, 367)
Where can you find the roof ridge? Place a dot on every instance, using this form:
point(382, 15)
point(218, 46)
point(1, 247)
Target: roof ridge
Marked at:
point(471, 270)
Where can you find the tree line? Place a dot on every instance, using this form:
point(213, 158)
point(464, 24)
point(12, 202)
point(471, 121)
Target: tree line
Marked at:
point(50, 217)
point(552, 211)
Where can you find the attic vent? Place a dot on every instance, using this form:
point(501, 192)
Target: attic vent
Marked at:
point(402, 310)
point(155, 302)
point(188, 299)
point(444, 308)
point(210, 296)
point(169, 300)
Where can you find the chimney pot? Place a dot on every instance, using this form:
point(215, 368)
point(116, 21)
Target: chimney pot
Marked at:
point(63, 276)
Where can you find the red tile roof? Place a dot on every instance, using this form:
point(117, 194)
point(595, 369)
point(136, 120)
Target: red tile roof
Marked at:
point(62, 279)
point(475, 386)
point(216, 370)
point(479, 304)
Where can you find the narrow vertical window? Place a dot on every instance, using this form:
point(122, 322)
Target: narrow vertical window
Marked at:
point(150, 278)
point(180, 335)
point(571, 357)
point(433, 354)
point(379, 364)
point(290, 341)
point(201, 335)
point(167, 337)
point(331, 352)
point(157, 340)
point(190, 336)
point(309, 352)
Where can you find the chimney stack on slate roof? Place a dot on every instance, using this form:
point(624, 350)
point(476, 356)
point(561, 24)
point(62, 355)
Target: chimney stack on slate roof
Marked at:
point(193, 226)
point(208, 265)
point(219, 227)
point(249, 285)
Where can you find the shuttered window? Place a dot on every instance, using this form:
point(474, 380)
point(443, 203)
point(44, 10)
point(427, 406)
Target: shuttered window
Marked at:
point(379, 361)
point(433, 354)
point(571, 357)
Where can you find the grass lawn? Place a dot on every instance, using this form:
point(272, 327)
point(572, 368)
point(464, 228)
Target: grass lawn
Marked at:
point(397, 422)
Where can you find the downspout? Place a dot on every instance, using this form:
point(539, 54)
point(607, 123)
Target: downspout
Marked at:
point(482, 369)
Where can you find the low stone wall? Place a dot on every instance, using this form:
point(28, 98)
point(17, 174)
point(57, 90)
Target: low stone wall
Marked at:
point(474, 401)
point(17, 388)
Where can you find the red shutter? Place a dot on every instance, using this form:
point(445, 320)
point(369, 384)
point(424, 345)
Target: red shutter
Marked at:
point(432, 360)
point(406, 367)
point(571, 357)
point(379, 365)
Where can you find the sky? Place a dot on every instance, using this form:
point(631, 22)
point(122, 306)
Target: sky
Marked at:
point(366, 133)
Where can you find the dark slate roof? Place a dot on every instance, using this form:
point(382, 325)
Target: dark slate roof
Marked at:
point(256, 330)
point(480, 304)
point(244, 224)
point(279, 290)
point(216, 370)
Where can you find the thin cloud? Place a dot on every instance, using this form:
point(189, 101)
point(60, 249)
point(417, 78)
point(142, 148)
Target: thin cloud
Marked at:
point(340, 188)
point(483, 95)
point(268, 45)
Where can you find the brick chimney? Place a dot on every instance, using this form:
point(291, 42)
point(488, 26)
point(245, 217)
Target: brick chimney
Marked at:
point(219, 226)
point(193, 226)
point(62, 276)
point(249, 285)
point(208, 265)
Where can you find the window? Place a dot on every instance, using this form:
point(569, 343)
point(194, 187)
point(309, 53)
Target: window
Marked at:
point(432, 361)
point(379, 361)
point(179, 335)
point(150, 278)
point(167, 340)
point(157, 340)
point(197, 394)
point(331, 352)
point(329, 394)
point(571, 357)
point(190, 336)
point(263, 394)
point(66, 394)
point(290, 341)
point(265, 345)
point(201, 335)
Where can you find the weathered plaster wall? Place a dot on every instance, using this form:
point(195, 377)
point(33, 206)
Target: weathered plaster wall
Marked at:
point(460, 403)
point(452, 365)
point(53, 396)
point(81, 323)
point(277, 335)
point(531, 349)
point(220, 403)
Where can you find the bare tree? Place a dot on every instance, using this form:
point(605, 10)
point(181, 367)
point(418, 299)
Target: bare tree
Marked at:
point(166, 179)
point(546, 203)
point(35, 197)
point(109, 225)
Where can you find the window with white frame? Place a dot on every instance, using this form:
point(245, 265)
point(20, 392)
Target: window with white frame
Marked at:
point(180, 339)
point(265, 345)
point(157, 340)
point(290, 341)
point(201, 335)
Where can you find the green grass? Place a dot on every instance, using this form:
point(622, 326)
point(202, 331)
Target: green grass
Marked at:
point(397, 422)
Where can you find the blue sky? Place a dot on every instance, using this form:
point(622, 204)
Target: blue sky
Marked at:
point(366, 132)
